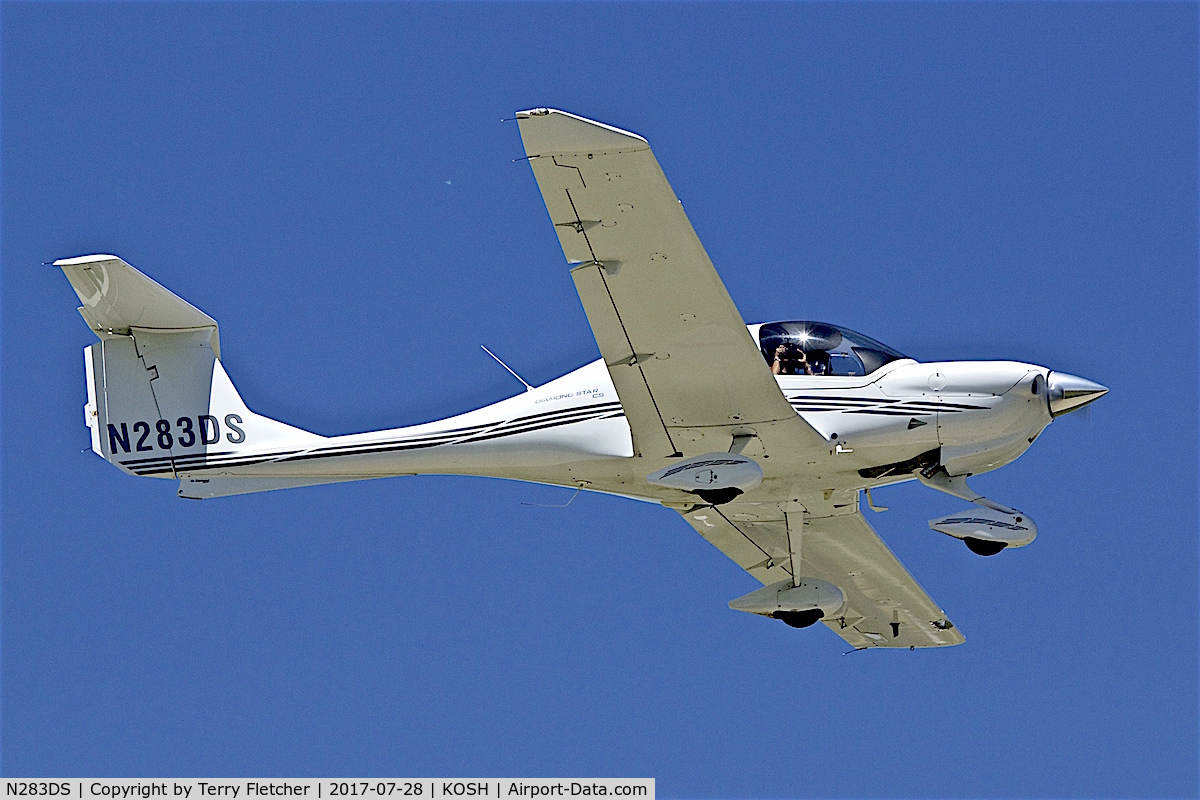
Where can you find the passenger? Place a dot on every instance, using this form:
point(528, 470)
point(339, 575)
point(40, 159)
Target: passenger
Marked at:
point(803, 365)
point(819, 363)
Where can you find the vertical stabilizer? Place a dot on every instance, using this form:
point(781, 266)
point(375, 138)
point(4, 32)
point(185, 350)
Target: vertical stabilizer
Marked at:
point(159, 400)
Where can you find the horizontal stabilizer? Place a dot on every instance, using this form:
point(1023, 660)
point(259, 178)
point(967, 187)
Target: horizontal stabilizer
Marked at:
point(117, 298)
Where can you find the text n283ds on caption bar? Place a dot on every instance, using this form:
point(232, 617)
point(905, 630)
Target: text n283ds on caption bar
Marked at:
point(322, 788)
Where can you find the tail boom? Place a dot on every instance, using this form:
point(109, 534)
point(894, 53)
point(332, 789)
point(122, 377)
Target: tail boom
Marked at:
point(161, 405)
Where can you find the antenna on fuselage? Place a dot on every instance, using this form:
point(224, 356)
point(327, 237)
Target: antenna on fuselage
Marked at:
point(528, 387)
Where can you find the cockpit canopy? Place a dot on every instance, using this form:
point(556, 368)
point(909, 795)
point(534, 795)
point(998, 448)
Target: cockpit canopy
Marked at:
point(817, 348)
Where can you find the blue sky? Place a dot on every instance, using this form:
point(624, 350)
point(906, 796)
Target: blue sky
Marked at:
point(333, 184)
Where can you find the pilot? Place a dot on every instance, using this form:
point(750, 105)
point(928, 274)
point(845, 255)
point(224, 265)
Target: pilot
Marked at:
point(790, 360)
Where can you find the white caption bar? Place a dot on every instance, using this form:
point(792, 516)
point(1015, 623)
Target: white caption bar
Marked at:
point(324, 788)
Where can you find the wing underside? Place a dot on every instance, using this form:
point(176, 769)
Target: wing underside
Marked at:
point(885, 606)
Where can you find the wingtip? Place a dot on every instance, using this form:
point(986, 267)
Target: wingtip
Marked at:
point(557, 131)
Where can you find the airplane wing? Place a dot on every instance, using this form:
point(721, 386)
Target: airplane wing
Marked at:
point(885, 606)
point(677, 348)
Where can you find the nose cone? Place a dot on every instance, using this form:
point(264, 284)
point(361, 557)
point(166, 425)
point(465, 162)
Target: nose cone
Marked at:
point(1069, 392)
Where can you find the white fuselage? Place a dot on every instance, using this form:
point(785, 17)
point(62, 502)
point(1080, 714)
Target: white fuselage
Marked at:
point(970, 417)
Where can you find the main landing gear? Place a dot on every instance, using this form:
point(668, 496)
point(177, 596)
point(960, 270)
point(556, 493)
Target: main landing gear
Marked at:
point(800, 619)
point(983, 547)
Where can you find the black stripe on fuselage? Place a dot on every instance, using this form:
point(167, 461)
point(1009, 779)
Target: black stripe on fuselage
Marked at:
point(586, 414)
point(214, 457)
point(530, 429)
point(464, 435)
point(881, 407)
point(844, 400)
point(526, 424)
point(825, 398)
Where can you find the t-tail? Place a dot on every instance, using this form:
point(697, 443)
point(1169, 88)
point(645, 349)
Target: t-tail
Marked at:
point(159, 401)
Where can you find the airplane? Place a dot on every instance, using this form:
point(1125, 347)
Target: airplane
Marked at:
point(763, 437)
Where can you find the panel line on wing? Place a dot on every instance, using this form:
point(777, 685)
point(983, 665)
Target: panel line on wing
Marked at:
point(635, 363)
point(570, 166)
point(624, 330)
point(581, 231)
